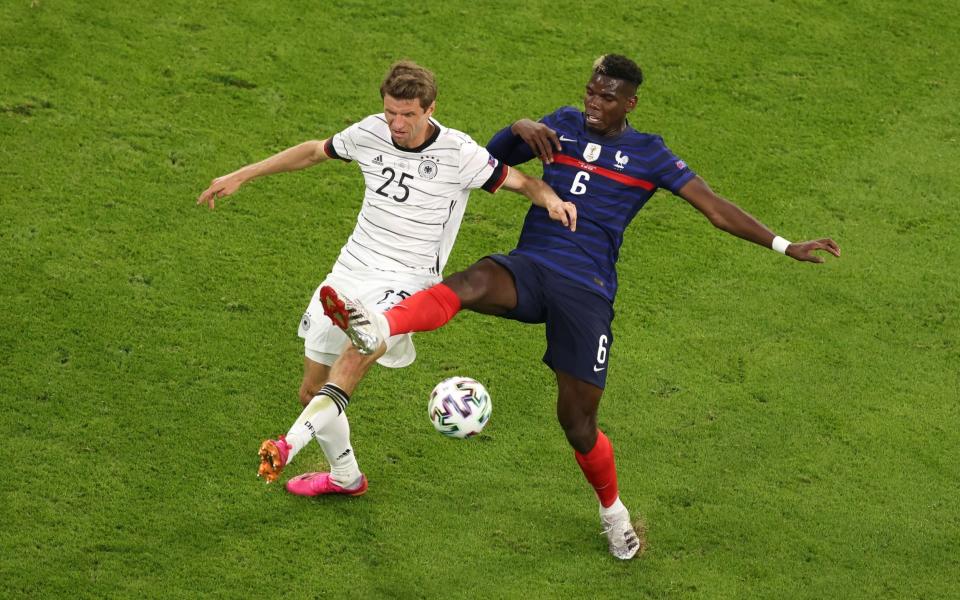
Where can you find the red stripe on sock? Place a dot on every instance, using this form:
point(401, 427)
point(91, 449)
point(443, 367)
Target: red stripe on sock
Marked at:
point(599, 469)
point(424, 311)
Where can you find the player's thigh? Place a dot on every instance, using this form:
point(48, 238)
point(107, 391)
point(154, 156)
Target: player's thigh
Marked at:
point(513, 288)
point(578, 330)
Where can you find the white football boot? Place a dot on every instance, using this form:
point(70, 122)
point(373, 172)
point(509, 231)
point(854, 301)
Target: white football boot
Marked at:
point(367, 331)
point(623, 538)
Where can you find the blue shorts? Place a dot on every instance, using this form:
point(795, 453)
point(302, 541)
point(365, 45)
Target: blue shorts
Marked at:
point(578, 320)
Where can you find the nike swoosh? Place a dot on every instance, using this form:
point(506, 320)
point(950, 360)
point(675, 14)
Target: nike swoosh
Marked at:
point(596, 370)
point(566, 139)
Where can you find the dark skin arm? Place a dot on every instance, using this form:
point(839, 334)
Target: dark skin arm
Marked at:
point(731, 218)
point(721, 212)
point(541, 139)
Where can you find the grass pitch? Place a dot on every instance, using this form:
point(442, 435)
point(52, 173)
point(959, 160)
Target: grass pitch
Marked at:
point(785, 430)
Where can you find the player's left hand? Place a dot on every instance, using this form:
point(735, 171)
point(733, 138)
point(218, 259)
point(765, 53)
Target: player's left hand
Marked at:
point(805, 250)
point(565, 212)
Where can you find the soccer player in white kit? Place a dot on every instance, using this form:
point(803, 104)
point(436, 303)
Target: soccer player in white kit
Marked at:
point(418, 177)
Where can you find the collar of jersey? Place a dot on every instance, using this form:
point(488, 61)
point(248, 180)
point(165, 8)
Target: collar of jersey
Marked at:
point(602, 139)
point(433, 137)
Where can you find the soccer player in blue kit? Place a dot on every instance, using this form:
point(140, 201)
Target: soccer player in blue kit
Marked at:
point(567, 279)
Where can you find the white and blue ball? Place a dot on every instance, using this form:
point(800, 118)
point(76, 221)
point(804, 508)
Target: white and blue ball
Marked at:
point(459, 407)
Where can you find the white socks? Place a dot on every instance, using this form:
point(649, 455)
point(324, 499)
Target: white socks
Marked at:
point(614, 511)
point(324, 420)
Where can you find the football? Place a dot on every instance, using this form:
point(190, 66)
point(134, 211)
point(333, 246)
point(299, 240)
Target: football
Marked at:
point(459, 407)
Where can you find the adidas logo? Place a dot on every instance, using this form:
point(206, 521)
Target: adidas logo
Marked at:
point(356, 317)
point(378, 160)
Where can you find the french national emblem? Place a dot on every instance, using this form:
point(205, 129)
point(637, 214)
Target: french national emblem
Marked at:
point(591, 152)
point(622, 160)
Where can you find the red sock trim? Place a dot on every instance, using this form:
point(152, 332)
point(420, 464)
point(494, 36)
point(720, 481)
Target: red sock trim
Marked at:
point(424, 311)
point(599, 469)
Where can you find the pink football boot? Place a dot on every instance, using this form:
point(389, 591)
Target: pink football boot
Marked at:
point(318, 484)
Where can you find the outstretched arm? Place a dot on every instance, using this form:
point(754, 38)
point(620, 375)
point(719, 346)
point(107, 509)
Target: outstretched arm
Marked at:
point(731, 218)
point(300, 156)
point(542, 195)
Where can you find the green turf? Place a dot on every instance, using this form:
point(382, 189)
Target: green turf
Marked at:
point(786, 430)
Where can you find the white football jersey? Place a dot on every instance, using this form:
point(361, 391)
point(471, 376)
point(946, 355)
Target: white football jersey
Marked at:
point(414, 199)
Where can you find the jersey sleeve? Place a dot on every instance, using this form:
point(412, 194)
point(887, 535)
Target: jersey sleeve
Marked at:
point(553, 118)
point(479, 169)
point(670, 172)
point(509, 148)
point(343, 145)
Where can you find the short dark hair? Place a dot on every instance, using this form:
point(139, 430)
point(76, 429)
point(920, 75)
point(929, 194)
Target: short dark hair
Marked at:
point(406, 80)
point(618, 67)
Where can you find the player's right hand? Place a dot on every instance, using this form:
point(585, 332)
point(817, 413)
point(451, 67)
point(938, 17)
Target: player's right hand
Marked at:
point(565, 212)
point(220, 187)
point(541, 139)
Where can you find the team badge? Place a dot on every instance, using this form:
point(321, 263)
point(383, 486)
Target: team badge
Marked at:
point(428, 169)
point(591, 152)
point(622, 160)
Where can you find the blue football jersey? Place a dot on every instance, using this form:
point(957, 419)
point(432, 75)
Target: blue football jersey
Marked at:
point(608, 178)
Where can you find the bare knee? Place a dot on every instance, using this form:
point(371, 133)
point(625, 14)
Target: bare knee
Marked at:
point(307, 392)
point(470, 285)
point(315, 374)
point(352, 360)
point(577, 404)
point(581, 432)
point(485, 287)
point(351, 367)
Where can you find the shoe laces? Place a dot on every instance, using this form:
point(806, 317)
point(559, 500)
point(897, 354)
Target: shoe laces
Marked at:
point(620, 532)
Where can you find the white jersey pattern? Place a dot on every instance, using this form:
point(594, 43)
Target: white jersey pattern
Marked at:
point(414, 200)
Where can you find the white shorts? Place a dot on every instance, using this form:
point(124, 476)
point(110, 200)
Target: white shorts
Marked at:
point(323, 341)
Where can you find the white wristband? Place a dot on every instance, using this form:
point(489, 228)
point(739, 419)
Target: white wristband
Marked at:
point(780, 245)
